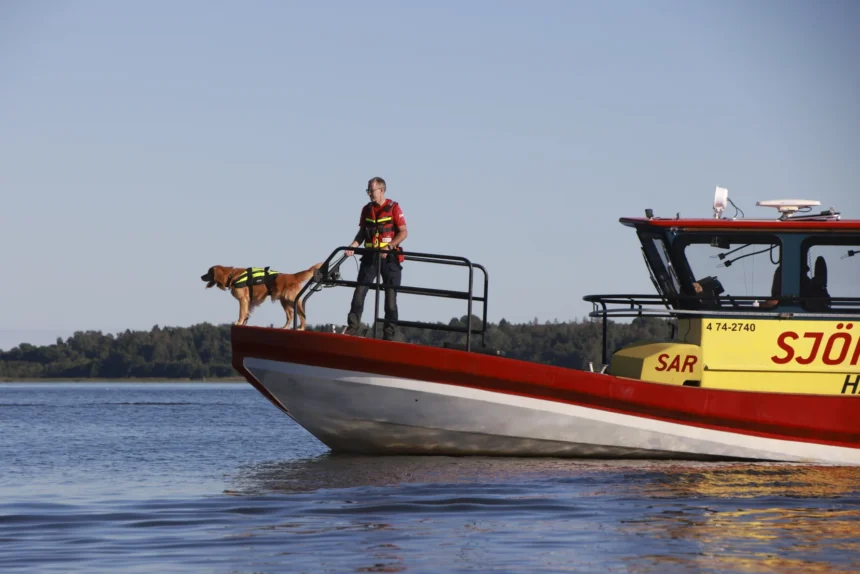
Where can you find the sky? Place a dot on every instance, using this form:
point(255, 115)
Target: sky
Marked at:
point(143, 142)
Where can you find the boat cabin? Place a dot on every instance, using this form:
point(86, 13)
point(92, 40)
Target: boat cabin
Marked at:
point(753, 265)
point(767, 305)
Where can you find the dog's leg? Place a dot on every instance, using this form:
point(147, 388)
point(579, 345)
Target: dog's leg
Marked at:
point(288, 309)
point(244, 310)
point(301, 315)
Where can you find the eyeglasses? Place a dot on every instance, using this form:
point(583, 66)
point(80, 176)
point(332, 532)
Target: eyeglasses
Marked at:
point(369, 191)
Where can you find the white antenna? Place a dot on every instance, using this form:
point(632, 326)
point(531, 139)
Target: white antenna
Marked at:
point(721, 196)
point(787, 207)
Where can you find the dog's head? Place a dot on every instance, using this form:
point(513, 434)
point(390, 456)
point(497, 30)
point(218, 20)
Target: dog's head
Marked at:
point(219, 276)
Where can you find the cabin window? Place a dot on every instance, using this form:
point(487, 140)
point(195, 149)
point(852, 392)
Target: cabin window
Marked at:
point(831, 273)
point(743, 268)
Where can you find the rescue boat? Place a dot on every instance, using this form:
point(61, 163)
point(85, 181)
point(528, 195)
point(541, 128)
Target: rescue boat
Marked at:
point(761, 359)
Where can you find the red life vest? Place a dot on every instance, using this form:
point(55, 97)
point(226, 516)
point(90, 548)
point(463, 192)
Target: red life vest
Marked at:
point(378, 224)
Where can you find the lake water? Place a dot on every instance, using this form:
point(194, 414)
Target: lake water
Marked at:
point(110, 477)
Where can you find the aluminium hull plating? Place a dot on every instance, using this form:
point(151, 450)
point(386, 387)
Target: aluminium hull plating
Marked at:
point(358, 412)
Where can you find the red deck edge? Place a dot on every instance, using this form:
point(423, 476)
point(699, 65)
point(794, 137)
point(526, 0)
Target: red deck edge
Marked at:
point(830, 420)
point(758, 224)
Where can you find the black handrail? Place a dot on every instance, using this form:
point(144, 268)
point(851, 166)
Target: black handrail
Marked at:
point(720, 303)
point(329, 276)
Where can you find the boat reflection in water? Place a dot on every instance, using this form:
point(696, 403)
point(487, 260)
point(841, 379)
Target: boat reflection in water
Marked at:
point(653, 516)
point(647, 479)
point(756, 518)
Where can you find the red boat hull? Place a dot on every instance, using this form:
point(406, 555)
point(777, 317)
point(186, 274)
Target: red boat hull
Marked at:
point(823, 420)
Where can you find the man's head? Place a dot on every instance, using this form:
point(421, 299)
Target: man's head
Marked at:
point(376, 190)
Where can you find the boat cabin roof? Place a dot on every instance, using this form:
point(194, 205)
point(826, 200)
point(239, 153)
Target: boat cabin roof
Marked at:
point(745, 225)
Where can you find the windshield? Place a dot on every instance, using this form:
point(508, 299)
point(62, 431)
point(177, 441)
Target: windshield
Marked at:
point(744, 266)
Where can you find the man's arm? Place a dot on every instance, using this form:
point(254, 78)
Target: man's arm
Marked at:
point(398, 239)
point(355, 242)
point(400, 224)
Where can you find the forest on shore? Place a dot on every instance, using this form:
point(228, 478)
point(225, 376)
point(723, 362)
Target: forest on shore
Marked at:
point(202, 352)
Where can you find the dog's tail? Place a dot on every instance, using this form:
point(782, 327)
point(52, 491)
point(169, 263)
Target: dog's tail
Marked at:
point(303, 276)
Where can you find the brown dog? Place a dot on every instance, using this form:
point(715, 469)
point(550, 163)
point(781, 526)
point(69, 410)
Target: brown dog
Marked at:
point(283, 287)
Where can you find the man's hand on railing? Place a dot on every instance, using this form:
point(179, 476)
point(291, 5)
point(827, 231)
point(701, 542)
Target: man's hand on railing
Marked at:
point(350, 252)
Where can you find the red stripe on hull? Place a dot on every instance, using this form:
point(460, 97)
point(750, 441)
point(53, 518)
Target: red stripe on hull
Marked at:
point(828, 420)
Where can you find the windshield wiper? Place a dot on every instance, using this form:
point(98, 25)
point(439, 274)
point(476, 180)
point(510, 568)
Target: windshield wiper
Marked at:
point(727, 253)
point(730, 261)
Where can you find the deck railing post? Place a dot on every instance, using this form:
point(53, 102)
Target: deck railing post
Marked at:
point(484, 320)
point(376, 309)
point(469, 311)
point(605, 336)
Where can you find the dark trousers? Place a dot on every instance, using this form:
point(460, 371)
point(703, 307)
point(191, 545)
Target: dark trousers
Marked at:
point(391, 268)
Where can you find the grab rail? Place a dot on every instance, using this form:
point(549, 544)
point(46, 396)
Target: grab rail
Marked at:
point(328, 275)
point(742, 306)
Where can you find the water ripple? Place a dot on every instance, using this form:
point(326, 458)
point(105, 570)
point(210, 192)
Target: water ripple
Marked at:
point(225, 483)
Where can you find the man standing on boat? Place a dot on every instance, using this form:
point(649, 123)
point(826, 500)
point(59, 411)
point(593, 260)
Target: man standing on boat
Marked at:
point(382, 226)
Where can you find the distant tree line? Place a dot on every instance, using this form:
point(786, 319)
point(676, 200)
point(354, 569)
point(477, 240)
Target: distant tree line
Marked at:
point(202, 351)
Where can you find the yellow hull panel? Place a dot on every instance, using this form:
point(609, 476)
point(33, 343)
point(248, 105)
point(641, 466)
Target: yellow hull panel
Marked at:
point(778, 356)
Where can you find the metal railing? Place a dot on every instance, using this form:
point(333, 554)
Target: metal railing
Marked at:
point(686, 306)
point(328, 275)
